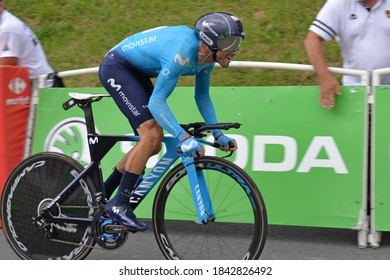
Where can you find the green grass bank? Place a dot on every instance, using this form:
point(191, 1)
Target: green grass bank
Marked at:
point(77, 34)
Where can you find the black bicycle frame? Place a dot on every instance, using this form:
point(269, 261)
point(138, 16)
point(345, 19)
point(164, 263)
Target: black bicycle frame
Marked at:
point(99, 146)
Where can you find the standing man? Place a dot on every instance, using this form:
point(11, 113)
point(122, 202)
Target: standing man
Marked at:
point(20, 47)
point(362, 29)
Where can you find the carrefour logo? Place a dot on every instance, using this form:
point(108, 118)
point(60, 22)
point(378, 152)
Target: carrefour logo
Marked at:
point(69, 137)
point(17, 85)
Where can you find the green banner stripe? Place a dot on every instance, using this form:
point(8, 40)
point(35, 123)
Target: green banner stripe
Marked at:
point(309, 162)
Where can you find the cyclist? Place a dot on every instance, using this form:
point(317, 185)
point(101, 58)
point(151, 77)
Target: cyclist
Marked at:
point(164, 53)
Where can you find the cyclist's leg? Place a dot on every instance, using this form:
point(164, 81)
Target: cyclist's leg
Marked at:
point(112, 182)
point(130, 91)
point(150, 143)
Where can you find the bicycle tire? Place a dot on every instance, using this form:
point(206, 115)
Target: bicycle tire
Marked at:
point(240, 228)
point(35, 182)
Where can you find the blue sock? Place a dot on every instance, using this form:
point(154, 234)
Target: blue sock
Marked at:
point(126, 186)
point(112, 182)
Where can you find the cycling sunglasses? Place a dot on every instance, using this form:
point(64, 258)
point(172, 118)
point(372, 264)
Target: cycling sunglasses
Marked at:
point(230, 43)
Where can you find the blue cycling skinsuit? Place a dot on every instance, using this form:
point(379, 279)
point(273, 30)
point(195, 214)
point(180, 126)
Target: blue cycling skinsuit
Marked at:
point(164, 53)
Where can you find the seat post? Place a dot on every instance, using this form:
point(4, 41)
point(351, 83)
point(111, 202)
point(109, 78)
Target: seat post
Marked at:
point(88, 114)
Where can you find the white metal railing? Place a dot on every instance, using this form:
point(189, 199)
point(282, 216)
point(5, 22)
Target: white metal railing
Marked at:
point(376, 75)
point(69, 73)
point(364, 75)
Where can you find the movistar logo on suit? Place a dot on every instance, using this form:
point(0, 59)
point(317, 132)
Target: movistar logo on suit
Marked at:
point(144, 41)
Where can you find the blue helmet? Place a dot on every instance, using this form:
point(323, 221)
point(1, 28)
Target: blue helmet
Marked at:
point(220, 31)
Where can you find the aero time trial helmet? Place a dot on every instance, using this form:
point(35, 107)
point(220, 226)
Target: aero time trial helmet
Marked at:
point(220, 31)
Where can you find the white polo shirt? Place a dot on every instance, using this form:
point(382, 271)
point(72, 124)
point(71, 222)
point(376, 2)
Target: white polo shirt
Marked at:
point(364, 36)
point(18, 40)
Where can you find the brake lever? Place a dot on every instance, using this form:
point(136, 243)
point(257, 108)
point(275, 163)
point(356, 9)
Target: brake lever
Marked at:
point(229, 155)
point(231, 145)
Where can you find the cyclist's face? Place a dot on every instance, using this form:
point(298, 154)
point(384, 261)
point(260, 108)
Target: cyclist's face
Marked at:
point(224, 57)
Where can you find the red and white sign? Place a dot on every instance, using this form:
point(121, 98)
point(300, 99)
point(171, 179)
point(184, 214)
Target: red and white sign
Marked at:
point(15, 94)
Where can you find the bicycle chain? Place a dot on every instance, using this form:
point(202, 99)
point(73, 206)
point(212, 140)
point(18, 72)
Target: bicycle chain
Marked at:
point(101, 246)
point(76, 206)
point(77, 244)
point(73, 243)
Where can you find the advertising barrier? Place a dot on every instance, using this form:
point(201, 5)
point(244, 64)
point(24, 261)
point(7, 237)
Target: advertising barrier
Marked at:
point(14, 107)
point(309, 162)
point(381, 159)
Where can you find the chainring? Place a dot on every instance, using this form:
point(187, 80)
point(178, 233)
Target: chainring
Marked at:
point(107, 233)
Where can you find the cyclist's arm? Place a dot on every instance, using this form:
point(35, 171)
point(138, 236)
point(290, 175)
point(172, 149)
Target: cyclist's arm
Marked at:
point(159, 108)
point(203, 99)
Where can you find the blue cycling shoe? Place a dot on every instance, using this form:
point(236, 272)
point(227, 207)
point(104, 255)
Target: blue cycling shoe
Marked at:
point(125, 216)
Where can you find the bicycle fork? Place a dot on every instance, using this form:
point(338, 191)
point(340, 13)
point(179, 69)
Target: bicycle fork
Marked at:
point(200, 193)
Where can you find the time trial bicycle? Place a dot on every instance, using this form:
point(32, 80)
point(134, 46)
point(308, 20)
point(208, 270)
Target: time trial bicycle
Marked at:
point(52, 207)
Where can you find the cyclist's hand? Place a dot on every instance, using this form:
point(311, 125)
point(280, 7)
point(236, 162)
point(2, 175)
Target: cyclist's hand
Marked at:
point(190, 147)
point(226, 143)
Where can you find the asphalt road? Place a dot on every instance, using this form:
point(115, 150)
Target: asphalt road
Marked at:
point(283, 243)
